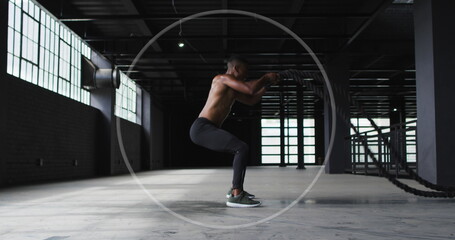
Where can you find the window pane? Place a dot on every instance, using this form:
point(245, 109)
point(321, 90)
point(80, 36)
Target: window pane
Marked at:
point(270, 132)
point(270, 150)
point(308, 131)
point(29, 72)
point(35, 75)
point(292, 141)
point(46, 80)
point(307, 122)
point(10, 40)
point(17, 21)
point(271, 159)
point(16, 66)
point(290, 150)
point(41, 78)
point(11, 14)
point(9, 64)
point(291, 132)
point(308, 140)
point(309, 159)
point(17, 46)
point(23, 70)
point(270, 123)
point(292, 123)
point(308, 150)
point(292, 159)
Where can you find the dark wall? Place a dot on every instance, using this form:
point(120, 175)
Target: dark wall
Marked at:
point(3, 98)
point(152, 145)
point(40, 124)
point(69, 137)
point(130, 134)
point(157, 144)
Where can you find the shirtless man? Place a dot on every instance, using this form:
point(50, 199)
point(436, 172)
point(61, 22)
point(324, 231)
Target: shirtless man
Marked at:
point(206, 130)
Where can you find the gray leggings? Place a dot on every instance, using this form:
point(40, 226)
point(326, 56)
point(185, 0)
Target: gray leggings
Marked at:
point(206, 134)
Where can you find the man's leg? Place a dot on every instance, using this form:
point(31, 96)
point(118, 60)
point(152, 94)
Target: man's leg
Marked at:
point(205, 134)
point(239, 165)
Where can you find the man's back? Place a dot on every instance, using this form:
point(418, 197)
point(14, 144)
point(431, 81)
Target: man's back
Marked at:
point(219, 102)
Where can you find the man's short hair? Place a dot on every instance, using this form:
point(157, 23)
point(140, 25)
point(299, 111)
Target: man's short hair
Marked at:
point(236, 59)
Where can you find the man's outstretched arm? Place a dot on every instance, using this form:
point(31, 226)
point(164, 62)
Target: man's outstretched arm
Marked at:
point(250, 99)
point(250, 88)
point(255, 98)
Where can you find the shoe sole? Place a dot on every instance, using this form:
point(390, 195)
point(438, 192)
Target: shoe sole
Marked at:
point(250, 197)
point(239, 205)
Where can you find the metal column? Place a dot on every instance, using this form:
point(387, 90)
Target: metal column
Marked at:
point(300, 144)
point(282, 135)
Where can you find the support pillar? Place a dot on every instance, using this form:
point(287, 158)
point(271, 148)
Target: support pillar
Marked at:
point(435, 64)
point(398, 135)
point(397, 118)
point(282, 136)
point(319, 132)
point(104, 100)
point(300, 117)
point(3, 76)
point(157, 137)
point(338, 72)
point(146, 162)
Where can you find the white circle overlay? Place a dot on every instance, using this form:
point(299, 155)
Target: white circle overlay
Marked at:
point(327, 85)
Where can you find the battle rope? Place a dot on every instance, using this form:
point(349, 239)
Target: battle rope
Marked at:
point(304, 78)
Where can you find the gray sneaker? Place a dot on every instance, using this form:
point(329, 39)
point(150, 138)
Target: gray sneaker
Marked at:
point(242, 201)
point(250, 196)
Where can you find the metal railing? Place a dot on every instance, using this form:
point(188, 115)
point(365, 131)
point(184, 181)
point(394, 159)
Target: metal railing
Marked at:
point(402, 137)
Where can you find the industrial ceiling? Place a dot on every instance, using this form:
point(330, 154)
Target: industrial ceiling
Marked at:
point(377, 36)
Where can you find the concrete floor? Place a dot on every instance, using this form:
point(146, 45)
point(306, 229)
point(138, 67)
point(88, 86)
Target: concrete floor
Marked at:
point(338, 207)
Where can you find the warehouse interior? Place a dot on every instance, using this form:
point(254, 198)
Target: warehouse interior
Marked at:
point(99, 97)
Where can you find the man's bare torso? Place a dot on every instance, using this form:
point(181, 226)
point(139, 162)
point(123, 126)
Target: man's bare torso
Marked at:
point(219, 102)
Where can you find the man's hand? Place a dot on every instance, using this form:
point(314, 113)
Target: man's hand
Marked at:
point(272, 79)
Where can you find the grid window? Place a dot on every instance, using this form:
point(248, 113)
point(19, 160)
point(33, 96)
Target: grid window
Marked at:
point(411, 141)
point(43, 51)
point(14, 37)
point(271, 141)
point(125, 99)
point(309, 141)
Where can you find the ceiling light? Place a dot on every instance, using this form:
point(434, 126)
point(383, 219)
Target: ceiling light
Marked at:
point(181, 44)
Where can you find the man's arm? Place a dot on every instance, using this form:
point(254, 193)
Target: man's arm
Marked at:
point(250, 99)
point(249, 88)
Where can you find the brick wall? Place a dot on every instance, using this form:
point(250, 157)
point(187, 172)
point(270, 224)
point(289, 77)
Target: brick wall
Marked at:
point(40, 124)
point(157, 137)
point(131, 135)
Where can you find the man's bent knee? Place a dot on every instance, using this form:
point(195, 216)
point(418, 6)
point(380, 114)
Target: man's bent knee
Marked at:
point(242, 148)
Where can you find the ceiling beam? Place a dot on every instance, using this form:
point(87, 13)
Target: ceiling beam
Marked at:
point(375, 60)
point(189, 64)
point(173, 17)
point(213, 54)
point(252, 67)
point(384, 4)
point(295, 8)
point(224, 27)
point(224, 37)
